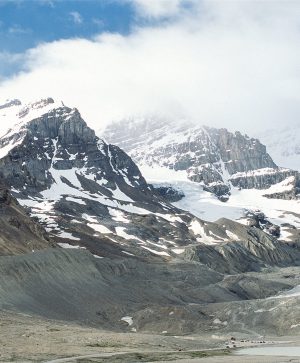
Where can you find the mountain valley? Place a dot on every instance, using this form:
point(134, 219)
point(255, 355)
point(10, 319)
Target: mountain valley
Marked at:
point(148, 231)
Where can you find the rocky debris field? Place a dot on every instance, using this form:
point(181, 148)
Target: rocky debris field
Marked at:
point(30, 339)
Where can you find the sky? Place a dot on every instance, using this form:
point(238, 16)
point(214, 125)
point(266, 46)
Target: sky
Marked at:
point(233, 64)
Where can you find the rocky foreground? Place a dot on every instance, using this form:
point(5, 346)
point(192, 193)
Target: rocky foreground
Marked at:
point(27, 339)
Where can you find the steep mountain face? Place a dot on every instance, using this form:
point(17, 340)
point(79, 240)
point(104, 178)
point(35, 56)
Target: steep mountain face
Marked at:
point(60, 140)
point(90, 194)
point(85, 192)
point(215, 158)
point(71, 180)
point(19, 233)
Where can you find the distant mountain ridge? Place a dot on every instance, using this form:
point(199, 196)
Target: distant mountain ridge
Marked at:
point(216, 158)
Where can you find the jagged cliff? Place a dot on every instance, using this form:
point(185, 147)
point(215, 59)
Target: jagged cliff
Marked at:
point(216, 158)
point(60, 140)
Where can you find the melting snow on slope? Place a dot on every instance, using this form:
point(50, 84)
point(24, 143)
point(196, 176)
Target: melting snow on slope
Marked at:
point(198, 230)
point(156, 252)
point(232, 236)
point(128, 320)
point(67, 245)
point(59, 188)
point(118, 215)
point(285, 186)
point(206, 206)
point(120, 231)
point(95, 225)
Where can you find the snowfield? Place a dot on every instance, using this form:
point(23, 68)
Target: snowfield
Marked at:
point(208, 207)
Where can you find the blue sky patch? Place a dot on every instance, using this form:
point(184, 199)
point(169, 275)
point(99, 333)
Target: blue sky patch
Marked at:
point(26, 23)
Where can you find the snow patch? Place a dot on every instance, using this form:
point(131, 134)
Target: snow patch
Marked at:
point(128, 320)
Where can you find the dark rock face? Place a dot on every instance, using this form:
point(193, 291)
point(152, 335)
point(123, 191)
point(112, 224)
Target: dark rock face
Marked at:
point(261, 179)
point(19, 233)
point(169, 193)
point(290, 191)
point(61, 140)
point(256, 218)
point(222, 191)
point(213, 157)
point(5, 197)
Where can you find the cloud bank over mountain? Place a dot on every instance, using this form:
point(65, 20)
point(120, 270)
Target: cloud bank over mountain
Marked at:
point(225, 64)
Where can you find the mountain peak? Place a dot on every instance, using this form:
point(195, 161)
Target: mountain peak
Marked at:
point(215, 158)
point(14, 114)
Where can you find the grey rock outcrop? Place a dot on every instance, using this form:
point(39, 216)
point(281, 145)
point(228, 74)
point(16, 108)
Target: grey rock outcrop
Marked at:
point(60, 139)
point(19, 233)
point(256, 218)
point(169, 193)
point(262, 179)
point(291, 190)
point(216, 158)
point(253, 250)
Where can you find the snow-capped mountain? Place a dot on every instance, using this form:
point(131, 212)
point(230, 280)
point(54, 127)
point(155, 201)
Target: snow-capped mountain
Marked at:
point(216, 158)
point(92, 200)
point(88, 193)
point(284, 145)
point(198, 160)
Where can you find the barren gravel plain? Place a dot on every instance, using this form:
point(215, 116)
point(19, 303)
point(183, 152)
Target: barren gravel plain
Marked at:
point(30, 339)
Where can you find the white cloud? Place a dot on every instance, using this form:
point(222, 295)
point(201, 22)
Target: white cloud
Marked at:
point(76, 17)
point(157, 8)
point(225, 64)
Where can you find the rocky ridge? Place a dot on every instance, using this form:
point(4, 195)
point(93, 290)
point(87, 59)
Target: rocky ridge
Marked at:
point(90, 194)
point(216, 158)
point(85, 192)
